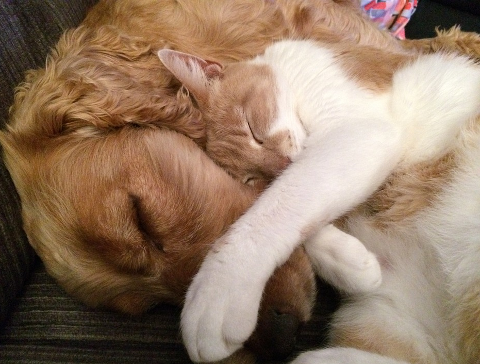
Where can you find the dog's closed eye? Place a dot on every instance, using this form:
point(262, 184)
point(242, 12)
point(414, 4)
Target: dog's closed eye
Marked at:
point(143, 221)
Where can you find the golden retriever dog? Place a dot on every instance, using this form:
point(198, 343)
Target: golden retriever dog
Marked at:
point(105, 149)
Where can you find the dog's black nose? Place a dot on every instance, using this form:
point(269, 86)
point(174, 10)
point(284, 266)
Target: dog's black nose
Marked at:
point(275, 336)
point(285, 327)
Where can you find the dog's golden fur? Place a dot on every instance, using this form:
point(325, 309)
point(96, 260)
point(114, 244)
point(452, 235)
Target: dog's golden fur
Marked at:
point(117, 199)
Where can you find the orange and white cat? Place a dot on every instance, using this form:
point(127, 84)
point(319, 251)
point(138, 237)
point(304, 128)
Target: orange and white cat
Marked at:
point(399, 159)
point(340, 259)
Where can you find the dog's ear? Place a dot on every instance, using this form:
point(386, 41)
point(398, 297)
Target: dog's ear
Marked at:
point(195, 73)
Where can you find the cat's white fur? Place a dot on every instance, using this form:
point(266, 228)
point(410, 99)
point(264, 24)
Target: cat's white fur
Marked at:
point(356, 138)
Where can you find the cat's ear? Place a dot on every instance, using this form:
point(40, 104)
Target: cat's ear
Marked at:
point(193, 72)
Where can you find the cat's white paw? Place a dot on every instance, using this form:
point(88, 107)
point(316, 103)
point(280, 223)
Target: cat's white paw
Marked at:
point(221, 308)
point(361, 273)
point(363, 277)
point(343, 261)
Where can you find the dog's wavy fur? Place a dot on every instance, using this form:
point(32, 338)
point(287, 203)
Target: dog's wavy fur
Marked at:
point(118, 200)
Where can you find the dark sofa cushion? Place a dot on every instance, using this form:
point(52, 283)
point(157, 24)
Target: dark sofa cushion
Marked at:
point(49, 326)
point(16, 255)
point(28, 29)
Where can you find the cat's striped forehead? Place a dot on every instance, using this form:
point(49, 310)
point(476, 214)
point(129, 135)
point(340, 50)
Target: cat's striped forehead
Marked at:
point(252, 91)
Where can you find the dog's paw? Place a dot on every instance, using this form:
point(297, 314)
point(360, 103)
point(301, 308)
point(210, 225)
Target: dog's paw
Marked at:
point(221, 309)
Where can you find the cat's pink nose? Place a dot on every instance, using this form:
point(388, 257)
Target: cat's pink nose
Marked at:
point(273, 166)
point(279, 166)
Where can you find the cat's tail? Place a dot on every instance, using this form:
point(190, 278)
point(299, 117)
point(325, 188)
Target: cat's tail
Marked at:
point(434, 97)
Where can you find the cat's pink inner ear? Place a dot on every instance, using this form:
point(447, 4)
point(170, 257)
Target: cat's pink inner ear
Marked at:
point(213, 69)
point(193, 72)
point(210, 69)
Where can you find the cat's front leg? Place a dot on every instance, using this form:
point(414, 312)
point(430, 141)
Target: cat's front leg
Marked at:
point(343, 261)
point(222, 303)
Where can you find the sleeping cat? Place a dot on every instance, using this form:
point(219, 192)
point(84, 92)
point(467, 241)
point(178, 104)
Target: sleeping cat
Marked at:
point(345, 134)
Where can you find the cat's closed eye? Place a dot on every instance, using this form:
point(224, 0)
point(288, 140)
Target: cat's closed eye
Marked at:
point(254, 135)
point(251, 125)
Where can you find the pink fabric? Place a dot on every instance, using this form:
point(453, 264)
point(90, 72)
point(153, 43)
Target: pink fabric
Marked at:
point(390, 14)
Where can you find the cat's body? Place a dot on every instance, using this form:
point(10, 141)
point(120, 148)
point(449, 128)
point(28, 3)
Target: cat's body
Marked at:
point(348, 140)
